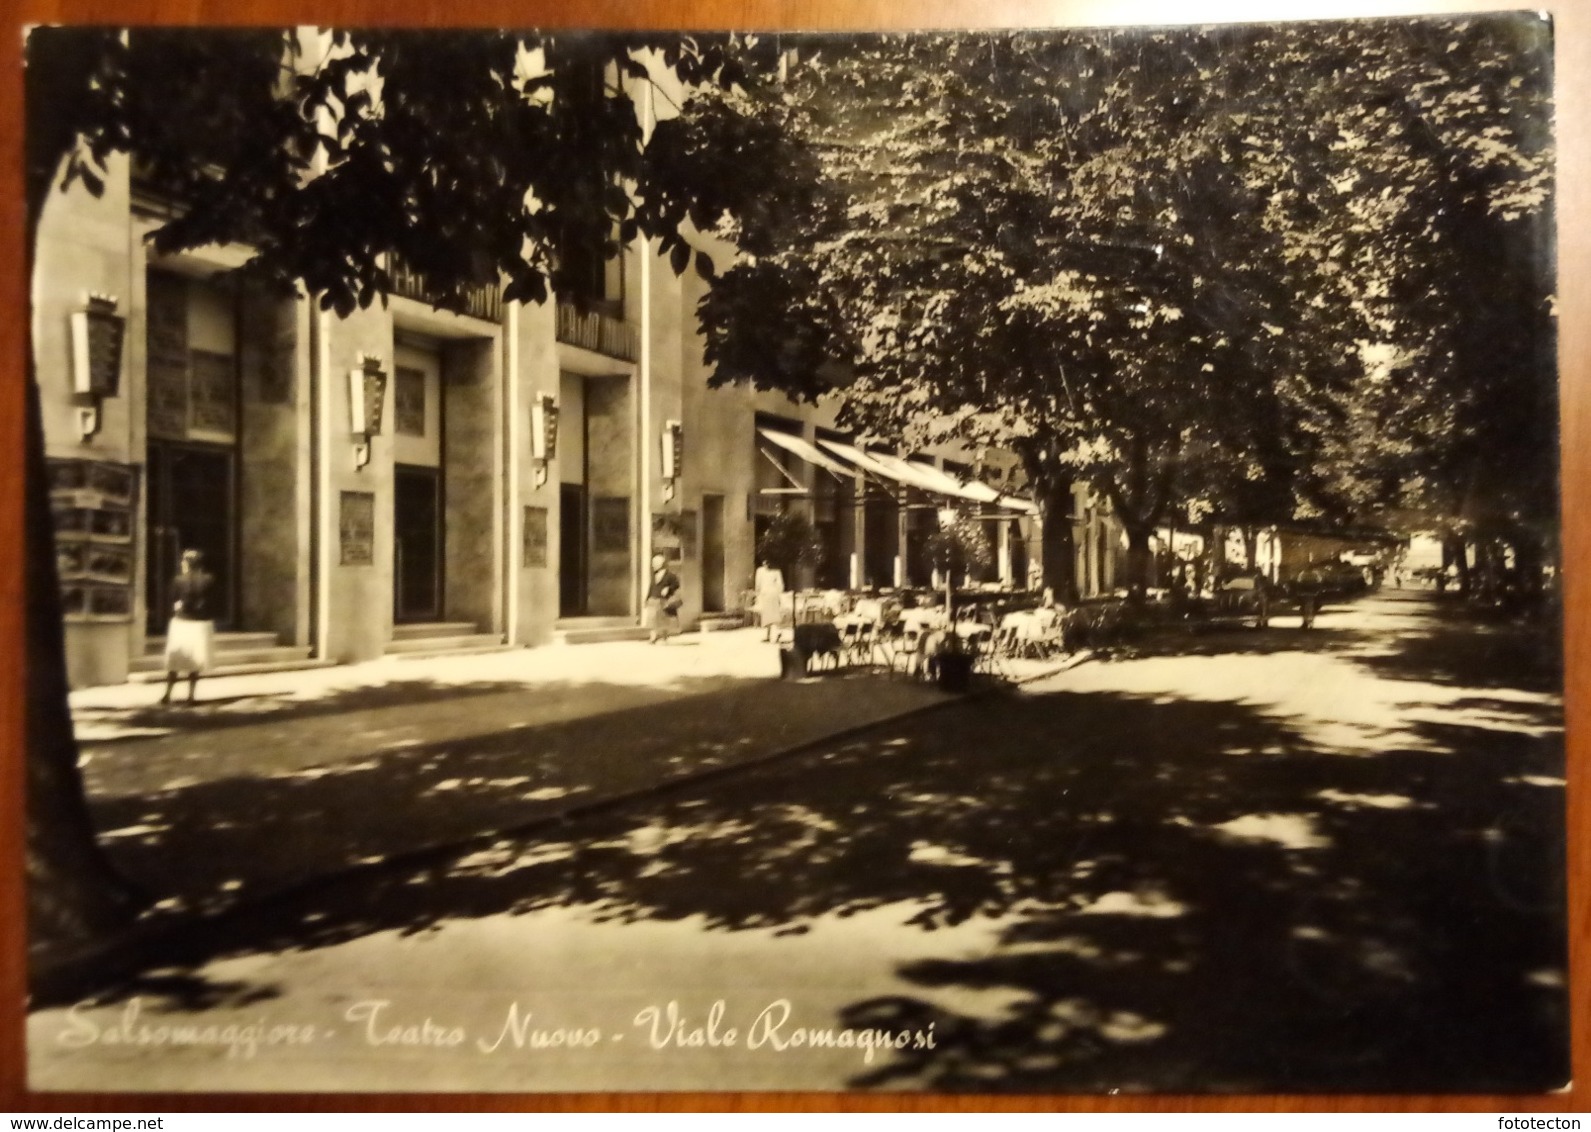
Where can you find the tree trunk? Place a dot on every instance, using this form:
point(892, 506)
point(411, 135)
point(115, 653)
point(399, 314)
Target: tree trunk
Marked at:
point(76, 900)
point(1455, 553)
point(1058, 551)
point(1529, 558)
point(1251, 548)
point(1140, 562)
point(1217, 556)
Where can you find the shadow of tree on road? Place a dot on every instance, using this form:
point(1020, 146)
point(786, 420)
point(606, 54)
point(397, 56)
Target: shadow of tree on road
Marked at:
point(1451, 644)
point(266, 807)
point(218, 712)
point(223, 712)
point(1188, 895)
point(1238, 640)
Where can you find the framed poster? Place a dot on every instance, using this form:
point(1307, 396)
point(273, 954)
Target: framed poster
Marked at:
point(356, 528)
point(93, 505)
point(535, 536)
point(668, 534)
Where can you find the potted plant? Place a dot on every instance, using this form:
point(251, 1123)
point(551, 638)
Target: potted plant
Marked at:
point(791, 544)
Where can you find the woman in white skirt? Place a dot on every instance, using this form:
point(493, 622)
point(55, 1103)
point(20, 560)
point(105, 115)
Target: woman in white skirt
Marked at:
point(769, 585)
point(190, 634)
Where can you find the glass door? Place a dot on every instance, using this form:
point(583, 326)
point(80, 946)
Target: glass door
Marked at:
point(191, 507)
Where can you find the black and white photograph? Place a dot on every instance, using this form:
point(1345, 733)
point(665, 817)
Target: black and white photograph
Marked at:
point(953, 562)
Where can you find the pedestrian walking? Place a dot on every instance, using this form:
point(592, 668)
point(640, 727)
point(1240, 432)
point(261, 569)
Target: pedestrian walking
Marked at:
point(190, 634)
point(1308, 588)
point(662, 602)
point(769, 586)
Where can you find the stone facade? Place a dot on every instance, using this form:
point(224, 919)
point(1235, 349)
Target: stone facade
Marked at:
point(233, 422)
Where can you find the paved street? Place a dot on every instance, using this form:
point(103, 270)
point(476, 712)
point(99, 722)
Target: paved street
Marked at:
point(1241, 860)
point(269, 781)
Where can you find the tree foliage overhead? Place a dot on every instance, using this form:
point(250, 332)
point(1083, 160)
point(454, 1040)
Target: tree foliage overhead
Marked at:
point(1255, 273)
point(464, 153)
point(469, 156)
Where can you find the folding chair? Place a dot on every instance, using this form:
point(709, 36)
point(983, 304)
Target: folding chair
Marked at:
point(851, 647)
point(909, 649)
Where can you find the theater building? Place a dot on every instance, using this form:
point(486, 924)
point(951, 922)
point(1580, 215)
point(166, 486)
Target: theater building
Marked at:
point(408, 480)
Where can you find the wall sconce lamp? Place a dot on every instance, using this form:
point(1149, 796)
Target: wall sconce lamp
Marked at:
point(367, 394)
point(97, 336)
point(543, 435)
point(673, 457)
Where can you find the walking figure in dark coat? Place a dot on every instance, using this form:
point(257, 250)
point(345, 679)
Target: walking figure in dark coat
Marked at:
point(661, 616)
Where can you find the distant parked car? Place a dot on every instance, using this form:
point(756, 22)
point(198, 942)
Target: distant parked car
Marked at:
point(1244, 596)
point(1333, 580)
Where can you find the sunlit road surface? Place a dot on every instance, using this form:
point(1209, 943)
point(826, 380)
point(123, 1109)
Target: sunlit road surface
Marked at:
point(1274, 861)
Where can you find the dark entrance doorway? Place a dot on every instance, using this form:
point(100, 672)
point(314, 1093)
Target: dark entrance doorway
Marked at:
point(191, 506)
point(712, 554)
point(573, 523)
point(417, 543)
point(881, 541)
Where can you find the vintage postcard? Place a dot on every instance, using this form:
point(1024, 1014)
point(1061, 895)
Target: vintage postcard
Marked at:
point(999, 562)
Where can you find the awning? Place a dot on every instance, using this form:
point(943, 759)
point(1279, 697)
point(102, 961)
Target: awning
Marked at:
point(943, 483)
point(807, 452)
point(868, 462)
point(980, 492)
point(926, 477)
point(933, 479)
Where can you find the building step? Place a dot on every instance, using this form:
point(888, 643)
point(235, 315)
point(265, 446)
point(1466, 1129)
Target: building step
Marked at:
point(454, 643)
point(302, 665)
point(628, 631)
point(224, 643)
point(581, 623)
point(719, 622)
point(417, 630)
point(232, 657)
point(496, 645)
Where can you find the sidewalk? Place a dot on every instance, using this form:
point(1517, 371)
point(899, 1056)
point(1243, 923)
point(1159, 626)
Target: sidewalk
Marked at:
point(277, 779)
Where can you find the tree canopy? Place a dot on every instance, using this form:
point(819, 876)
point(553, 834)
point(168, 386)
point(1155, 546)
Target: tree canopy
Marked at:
point(465, 153)
point(1257, 273)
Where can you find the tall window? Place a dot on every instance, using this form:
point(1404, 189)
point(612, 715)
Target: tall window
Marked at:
point(593, 279)
point(833, 512)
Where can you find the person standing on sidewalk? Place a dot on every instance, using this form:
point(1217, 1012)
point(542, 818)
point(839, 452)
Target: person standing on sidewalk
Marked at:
point(190, 634)
point(769, 585)
point(662, 601)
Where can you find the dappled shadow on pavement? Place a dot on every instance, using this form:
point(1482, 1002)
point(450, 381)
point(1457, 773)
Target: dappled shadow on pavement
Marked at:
point(205, 824)
point(1477, 654)
point(1189, 896)
point(1238, 640)
point(217, 712)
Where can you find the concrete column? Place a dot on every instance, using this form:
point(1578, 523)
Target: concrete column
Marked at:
point(471, 483)
point(356, 514)
point(533, 570)
point(274, 468)
point(85, 244)
point(902, 525)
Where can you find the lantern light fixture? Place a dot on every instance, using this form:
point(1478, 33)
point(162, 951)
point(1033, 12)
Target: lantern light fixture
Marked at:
point(367, 394)
point(673, 440)
point(98, 333)
point(543, 435)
